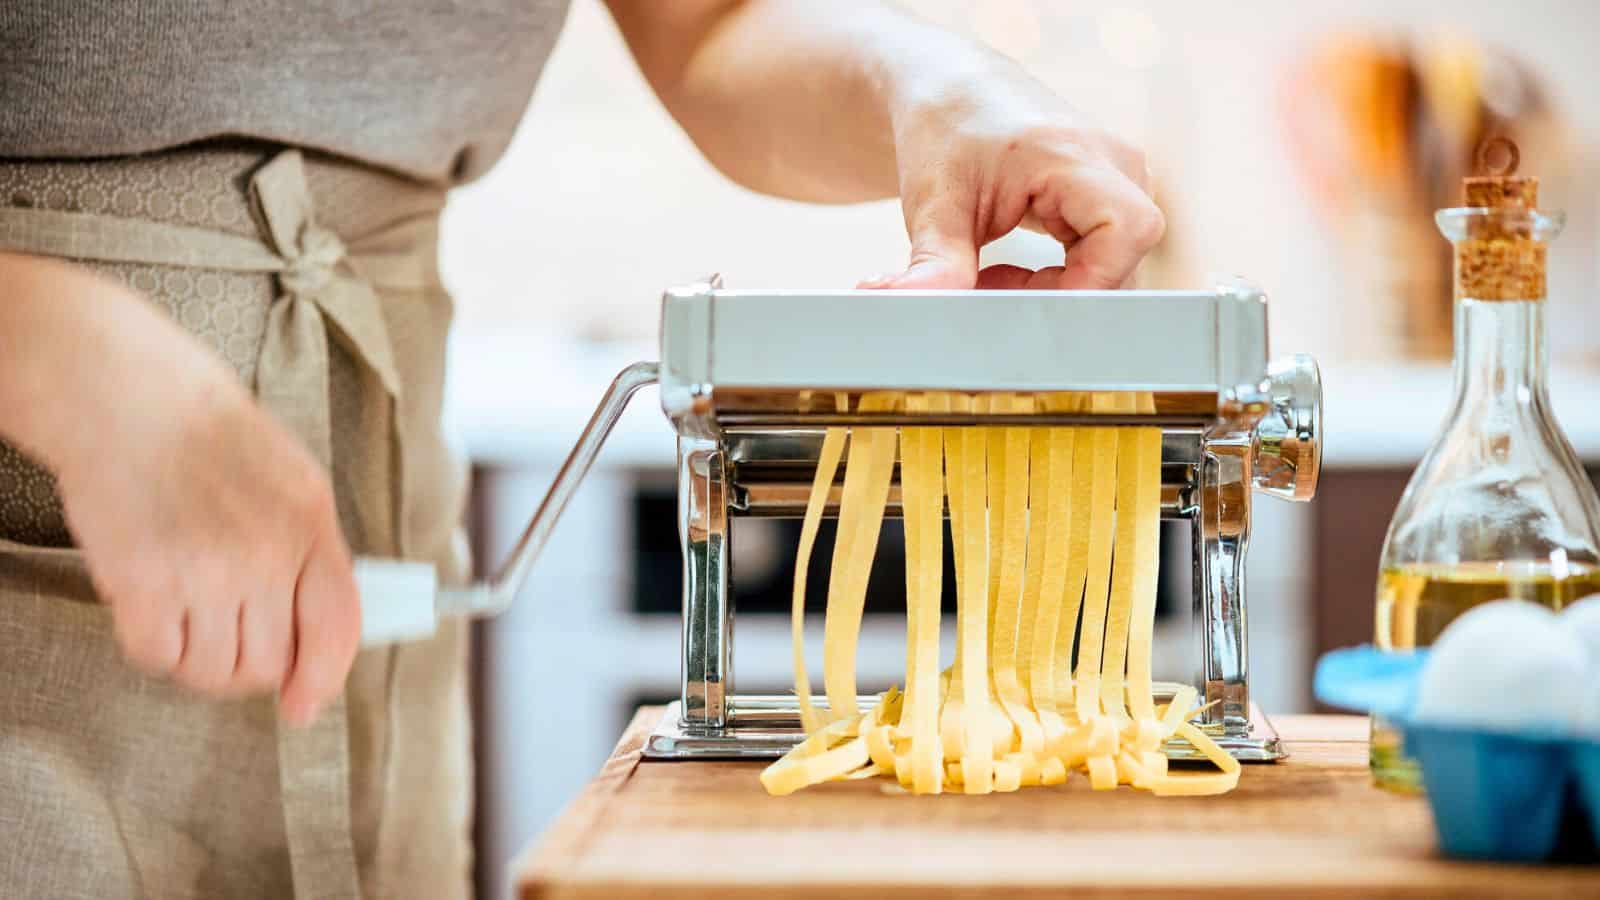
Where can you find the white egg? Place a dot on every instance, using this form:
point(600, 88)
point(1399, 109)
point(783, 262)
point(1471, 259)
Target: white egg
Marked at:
point(1506, 666)
point(1583, 620)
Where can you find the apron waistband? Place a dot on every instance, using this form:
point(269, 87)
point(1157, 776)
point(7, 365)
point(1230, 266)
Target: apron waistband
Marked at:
point(322, 281)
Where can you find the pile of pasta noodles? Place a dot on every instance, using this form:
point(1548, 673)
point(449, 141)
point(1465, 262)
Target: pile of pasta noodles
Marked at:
point(1055, 533)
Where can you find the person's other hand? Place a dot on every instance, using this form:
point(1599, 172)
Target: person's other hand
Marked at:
point(207, 527)
point(997, 150)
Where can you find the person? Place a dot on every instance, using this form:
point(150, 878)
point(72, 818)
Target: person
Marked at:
point(221, 350)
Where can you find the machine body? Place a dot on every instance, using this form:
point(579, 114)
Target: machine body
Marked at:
point(749, 380)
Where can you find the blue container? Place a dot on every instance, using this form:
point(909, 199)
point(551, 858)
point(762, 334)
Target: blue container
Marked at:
point(1495, 796)
point(1586, 771)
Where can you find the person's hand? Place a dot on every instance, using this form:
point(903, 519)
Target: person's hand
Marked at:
point(208, 528)
point(992, 151)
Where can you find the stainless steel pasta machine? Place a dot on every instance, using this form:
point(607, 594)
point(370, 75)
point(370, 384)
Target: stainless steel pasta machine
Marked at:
point(748, 379)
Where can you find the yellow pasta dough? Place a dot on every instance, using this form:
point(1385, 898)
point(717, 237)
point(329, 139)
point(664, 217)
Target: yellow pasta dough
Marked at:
point(1055, 533)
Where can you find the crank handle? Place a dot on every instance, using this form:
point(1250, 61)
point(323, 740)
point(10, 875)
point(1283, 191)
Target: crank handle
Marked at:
point(402, 601)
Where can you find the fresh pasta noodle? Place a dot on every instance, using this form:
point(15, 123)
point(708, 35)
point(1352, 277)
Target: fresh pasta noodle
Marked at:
point(1055, 533)
point(1052, 640)
point(866, 491)
point(965, 465)
point(1119, 608)
point(921, 467)
point(1008, 530)
point(1096, 591)
point(827, 467)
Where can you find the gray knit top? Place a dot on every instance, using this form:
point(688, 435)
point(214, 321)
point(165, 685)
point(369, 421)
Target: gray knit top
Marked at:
point(430, 88)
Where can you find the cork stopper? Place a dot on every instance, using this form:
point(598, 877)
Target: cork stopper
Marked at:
point(1500, 186)
point(1500, 259)
point(1501, 191)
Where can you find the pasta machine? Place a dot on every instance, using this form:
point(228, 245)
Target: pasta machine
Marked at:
point(748, 379)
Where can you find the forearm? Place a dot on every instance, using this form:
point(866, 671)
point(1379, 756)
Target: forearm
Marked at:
point(73, 348)
point(796, 98)
point(38, 301)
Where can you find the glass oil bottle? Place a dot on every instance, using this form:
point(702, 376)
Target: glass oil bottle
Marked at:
point(1500, 506)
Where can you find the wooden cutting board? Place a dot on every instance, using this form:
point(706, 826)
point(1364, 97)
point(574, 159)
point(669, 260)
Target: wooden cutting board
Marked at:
point(1311, 825)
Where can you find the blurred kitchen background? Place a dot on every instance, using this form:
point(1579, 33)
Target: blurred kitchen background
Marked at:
point(1302, 146)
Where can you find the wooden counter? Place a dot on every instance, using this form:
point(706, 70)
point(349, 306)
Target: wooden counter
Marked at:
point(1311, 825)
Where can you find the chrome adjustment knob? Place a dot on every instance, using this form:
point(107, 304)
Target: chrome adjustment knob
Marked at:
point(1289, 436)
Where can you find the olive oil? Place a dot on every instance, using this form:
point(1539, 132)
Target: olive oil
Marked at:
point(1416, 603)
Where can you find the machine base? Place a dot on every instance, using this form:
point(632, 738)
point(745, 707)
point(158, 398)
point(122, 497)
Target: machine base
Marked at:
point(766, 726)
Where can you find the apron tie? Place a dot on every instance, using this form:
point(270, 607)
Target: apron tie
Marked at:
point(319, 290)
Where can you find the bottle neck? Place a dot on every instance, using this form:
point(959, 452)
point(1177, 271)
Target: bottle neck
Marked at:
point(1500, 352)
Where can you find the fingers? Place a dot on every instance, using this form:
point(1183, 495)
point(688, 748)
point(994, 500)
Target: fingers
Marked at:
point(1003, 278)
point(941, 222)
point(1098, 206)
point(151, 633)
point(207, 644)
point(1103, 260)
point(1051, 223)
point(301, 638)
point(327, 628)
point(1115, 221)
point(210, 646)
point(265, 626)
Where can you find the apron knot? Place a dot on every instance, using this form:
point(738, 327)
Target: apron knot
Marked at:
point(310, 261)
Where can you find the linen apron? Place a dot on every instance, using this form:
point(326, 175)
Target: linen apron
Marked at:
point(316, 279)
